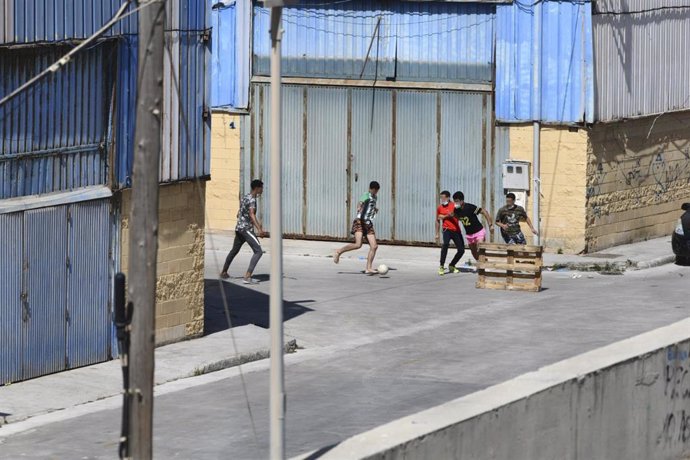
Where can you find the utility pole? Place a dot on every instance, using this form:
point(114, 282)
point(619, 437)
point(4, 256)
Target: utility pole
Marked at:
point(144, 223)
point(276, 302)
point(536, 115)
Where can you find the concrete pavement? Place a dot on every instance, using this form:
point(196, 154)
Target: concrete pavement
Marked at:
point(375, 348)
point(248, 340)
point(55, 392)
point(636, 256)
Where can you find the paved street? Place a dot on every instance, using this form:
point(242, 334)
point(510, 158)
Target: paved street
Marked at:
point(374, 349)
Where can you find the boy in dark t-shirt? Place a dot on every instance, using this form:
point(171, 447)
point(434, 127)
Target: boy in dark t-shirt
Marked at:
point(467, 214)
point(509, 218)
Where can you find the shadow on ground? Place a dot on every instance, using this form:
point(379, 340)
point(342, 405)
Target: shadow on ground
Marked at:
point(246, 306)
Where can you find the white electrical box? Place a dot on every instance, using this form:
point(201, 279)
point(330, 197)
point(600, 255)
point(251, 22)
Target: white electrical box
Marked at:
point(520, 198)
point(516, 175)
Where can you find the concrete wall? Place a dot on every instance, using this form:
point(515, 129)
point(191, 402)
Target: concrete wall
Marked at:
point(629, 400)
point(180, 269)
point(223, 190)
point(638, 175)
point(563, 184)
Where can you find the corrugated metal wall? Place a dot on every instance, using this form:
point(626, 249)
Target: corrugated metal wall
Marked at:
point(338, 139)
point(326, 162)
point(54, 298)
point(88, 283)
point(417, 41)
point(11, 303)
point(53, 137)
point(416, 190)
point(45, 273)
point(642, 52)
point(27, 21)
point(187, 87)
point(186, 143)
point(231, 54)
point(564, 53)
point(224, 64)
point(372, 153)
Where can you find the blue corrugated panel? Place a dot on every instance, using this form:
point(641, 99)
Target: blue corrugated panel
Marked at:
point(231, 23)
point(88, 283)
point(126, 102)
point(224, 27)
point(186, 141)
point(186, 149)
point(564, 53)
point(11, 303)
point(53, 137)
point(418, 41)
point(44, 330)
point(61, 20)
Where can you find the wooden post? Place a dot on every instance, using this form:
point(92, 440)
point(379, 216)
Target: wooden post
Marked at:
point(144, 223)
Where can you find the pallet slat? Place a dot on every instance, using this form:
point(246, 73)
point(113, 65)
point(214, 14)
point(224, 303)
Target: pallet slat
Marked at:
point(502, 275)
point(515, 267)
point(512, 247)
point(509, 267)
point(508, 287)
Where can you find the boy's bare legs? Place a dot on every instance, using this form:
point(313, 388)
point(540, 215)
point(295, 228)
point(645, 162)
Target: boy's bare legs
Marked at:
point(348, 247)
point(373, 246)
point(474, 247)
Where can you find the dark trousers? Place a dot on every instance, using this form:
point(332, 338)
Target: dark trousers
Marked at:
point(455, 237)
point(246, 236)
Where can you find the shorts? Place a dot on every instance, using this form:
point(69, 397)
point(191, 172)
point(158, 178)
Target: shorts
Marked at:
point(368, 228)
point(476, 237)
point(517, 238)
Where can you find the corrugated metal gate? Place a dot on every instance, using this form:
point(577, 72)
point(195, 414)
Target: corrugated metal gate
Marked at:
point(55, 136)
point(338, 139)
point(54, 299)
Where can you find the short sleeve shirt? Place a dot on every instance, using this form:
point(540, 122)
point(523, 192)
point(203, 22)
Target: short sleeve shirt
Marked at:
point(451, 223)
point(244, 221)
point(511, 217)
point(368, 207)
point(467, 216)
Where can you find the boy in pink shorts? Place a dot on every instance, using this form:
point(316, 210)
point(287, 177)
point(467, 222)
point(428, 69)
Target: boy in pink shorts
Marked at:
point(467, 214)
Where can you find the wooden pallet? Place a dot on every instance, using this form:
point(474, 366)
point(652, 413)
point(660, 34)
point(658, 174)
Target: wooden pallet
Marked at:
point(510, 267)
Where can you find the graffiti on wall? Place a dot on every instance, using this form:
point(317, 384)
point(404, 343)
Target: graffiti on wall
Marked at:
point(646, 179)
point(676, 425)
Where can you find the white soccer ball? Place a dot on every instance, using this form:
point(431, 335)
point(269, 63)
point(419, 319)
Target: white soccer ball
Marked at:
point(383, 269)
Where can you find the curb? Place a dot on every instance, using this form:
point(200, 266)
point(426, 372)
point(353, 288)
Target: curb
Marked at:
point(616, 266)
point(659, 261)
point(290, 347)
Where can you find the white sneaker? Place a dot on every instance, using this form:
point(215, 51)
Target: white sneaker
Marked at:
point(250, 281)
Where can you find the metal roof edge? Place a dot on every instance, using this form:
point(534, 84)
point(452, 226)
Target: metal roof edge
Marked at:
point(399, 84)
point(230, 110)
point(26, 203)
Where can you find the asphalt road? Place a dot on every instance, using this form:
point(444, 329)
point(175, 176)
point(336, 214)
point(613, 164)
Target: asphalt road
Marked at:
point(375, 349)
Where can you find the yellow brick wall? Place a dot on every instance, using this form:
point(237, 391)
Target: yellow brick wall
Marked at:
point(180, 268)
point(223, 191)
point(563, 184)
point(638, 175)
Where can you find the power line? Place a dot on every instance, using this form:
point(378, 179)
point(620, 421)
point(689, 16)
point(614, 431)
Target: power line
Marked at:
point(67, 57)
point(390, 35)
point(647, 10)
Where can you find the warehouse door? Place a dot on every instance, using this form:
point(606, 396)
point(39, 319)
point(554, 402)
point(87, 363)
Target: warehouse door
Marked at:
point(54, 307)
point(336, 140)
